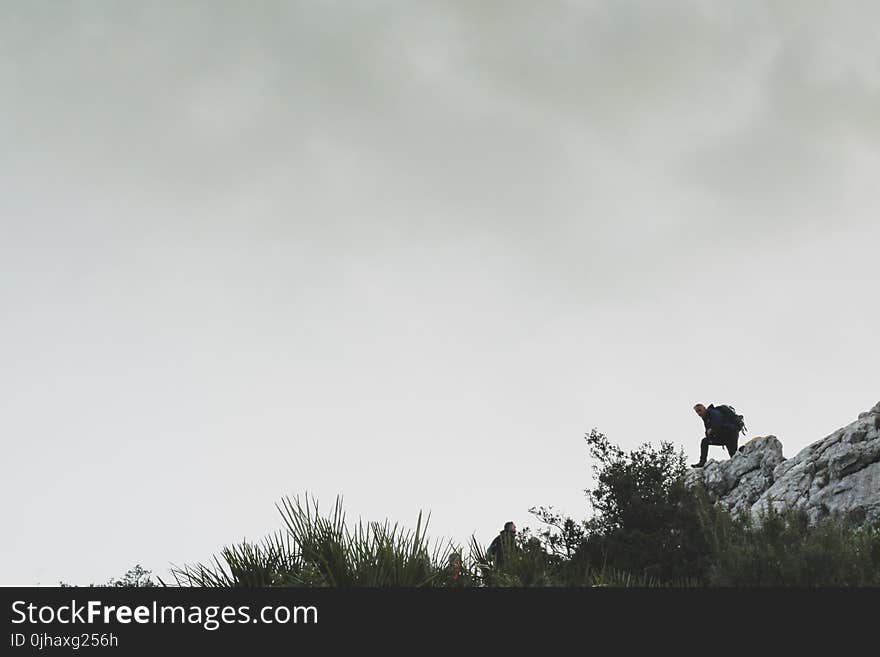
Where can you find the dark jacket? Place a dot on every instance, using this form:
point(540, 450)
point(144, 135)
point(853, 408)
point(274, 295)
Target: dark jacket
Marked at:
point(722, 431)
point(506, 540)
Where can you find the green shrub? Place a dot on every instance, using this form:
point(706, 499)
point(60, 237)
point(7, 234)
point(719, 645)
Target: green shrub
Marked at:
point(318, 550)
point(784, 549)
point(645, 520)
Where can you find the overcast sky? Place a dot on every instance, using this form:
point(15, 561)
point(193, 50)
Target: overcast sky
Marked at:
point(411, 253)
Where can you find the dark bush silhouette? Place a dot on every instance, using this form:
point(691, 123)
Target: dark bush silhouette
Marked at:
point(136, 577)
point(644, 521)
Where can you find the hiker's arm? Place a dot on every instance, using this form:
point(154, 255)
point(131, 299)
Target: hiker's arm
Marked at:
point(715, 422)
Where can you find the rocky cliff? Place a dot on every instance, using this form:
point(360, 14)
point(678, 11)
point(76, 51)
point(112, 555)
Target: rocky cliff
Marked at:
point(837, 475)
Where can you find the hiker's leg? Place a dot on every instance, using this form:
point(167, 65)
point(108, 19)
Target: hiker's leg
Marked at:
point(732, 442)
point(704, 449)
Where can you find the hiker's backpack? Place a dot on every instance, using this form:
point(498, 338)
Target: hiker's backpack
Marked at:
point(730, 417)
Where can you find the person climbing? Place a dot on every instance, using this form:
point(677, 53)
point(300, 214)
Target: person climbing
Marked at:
point(723, 427)
point(504, 544)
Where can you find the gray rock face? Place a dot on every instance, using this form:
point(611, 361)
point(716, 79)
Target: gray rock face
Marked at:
point(837, 475)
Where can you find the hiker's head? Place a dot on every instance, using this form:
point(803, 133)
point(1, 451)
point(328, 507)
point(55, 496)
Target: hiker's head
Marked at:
point(510, 527)
point(700, 409)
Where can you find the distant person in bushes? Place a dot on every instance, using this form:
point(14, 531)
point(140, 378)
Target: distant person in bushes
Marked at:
point(503, 545)
point(457, 575)
point(454, 565)
point(723, 427)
